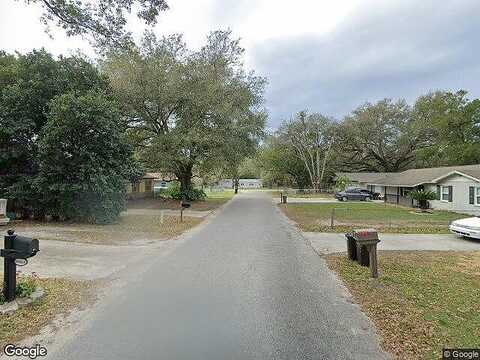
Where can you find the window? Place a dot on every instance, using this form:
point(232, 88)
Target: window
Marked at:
point(148, 185)
point(445, 193)
point(477, 196)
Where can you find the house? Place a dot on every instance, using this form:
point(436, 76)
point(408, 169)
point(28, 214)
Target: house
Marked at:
point(457, 187)
point(144, 187)
point(365, 179)
point(242, 183)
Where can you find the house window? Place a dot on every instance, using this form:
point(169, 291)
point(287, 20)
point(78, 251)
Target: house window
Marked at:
point(445, 193)
point(405, 191)
point(148, 185)
point(477, 196)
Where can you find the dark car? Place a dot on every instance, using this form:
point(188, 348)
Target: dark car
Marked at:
point(356, 194)
point(374, 195)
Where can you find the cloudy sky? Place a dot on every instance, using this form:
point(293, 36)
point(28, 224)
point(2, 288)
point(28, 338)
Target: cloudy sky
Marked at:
point(321, 55)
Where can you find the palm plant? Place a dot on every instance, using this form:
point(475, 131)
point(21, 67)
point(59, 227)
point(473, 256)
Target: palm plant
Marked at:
point(423, 197)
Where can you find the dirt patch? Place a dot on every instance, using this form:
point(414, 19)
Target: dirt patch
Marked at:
point(129, 229)
point(61, 297)
point(469, 264)
point(169, 204)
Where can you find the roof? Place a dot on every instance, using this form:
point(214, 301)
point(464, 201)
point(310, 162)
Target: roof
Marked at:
point(363, 177)
point(415, 177)
point(157, 176)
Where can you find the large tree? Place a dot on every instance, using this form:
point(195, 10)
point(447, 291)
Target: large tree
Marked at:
point(185, 108)
point(311, 136)
point(280, 165)
point(104, 22)
point(28, 84)
point(85, 161)
point(379, 137)
point(451, 123)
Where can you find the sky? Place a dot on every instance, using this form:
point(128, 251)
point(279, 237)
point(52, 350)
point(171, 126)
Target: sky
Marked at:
point(318, 55)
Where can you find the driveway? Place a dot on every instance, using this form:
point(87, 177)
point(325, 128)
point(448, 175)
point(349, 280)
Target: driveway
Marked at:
point(86, 261)
point(244, 286)
point(326, 243)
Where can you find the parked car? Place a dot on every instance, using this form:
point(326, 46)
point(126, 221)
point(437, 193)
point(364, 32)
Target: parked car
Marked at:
point(354, 194)
point(374, 195)
point(469, 227)
point(161, 185)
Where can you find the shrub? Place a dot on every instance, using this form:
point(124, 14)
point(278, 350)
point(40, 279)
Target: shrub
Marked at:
point(85, 160)
point(423, 197)
point(191, 194)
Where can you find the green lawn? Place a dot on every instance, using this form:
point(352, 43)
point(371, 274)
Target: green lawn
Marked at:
point(422, 301)
point(384, 217)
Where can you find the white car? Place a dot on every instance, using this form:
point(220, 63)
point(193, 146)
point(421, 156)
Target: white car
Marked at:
point(469, 227)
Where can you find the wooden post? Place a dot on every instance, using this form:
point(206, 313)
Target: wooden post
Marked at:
point(181, 214)
point(372, 253)
point(332, 218)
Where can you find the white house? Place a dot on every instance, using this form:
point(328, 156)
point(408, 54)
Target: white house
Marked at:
point(457, 187)
point(242, 183)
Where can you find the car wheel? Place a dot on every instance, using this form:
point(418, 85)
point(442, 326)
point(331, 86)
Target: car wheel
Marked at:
point(344, 198)
point(367, 198)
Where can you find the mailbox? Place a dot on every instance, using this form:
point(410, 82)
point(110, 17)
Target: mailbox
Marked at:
point(16, 247)
point(19, 247)
point(365, 235)
point(25, 247)
point(185, 204)
point(366, 251)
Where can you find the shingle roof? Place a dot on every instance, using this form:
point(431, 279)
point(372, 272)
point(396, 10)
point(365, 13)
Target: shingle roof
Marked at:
point(364, 177)
point(414, 177)
point(158, 176)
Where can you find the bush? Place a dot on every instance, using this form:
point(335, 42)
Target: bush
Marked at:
point(191, 194)
point(423, 197)
point(26, 286)
point(85, 160)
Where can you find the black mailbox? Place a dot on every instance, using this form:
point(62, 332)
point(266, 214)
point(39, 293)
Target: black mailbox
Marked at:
point(25, 247)
point(16, 247)
point(185, 204)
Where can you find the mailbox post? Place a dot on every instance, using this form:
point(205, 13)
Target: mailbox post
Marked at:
point(16, 247)
point(185, 204)
point(367, 240)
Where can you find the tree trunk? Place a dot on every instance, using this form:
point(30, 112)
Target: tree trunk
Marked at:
point(185, 178)
point(236, 185)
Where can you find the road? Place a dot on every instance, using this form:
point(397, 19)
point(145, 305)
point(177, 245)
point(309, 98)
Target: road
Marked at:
point(244, 286)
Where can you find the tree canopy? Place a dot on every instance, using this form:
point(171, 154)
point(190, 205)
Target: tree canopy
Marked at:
point(84, 159)
point(104, 22)
point(31, 87)
point(188, 109)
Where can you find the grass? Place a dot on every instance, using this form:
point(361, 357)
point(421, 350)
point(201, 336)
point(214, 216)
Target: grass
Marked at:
point(129, 228)
point(422, 301)
point(61, 297)
point(213, 201)
point(384, 217)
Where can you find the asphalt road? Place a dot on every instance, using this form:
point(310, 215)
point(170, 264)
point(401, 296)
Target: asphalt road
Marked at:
point(245, 286)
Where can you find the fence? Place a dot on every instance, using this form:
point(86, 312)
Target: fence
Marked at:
point(306, 192)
